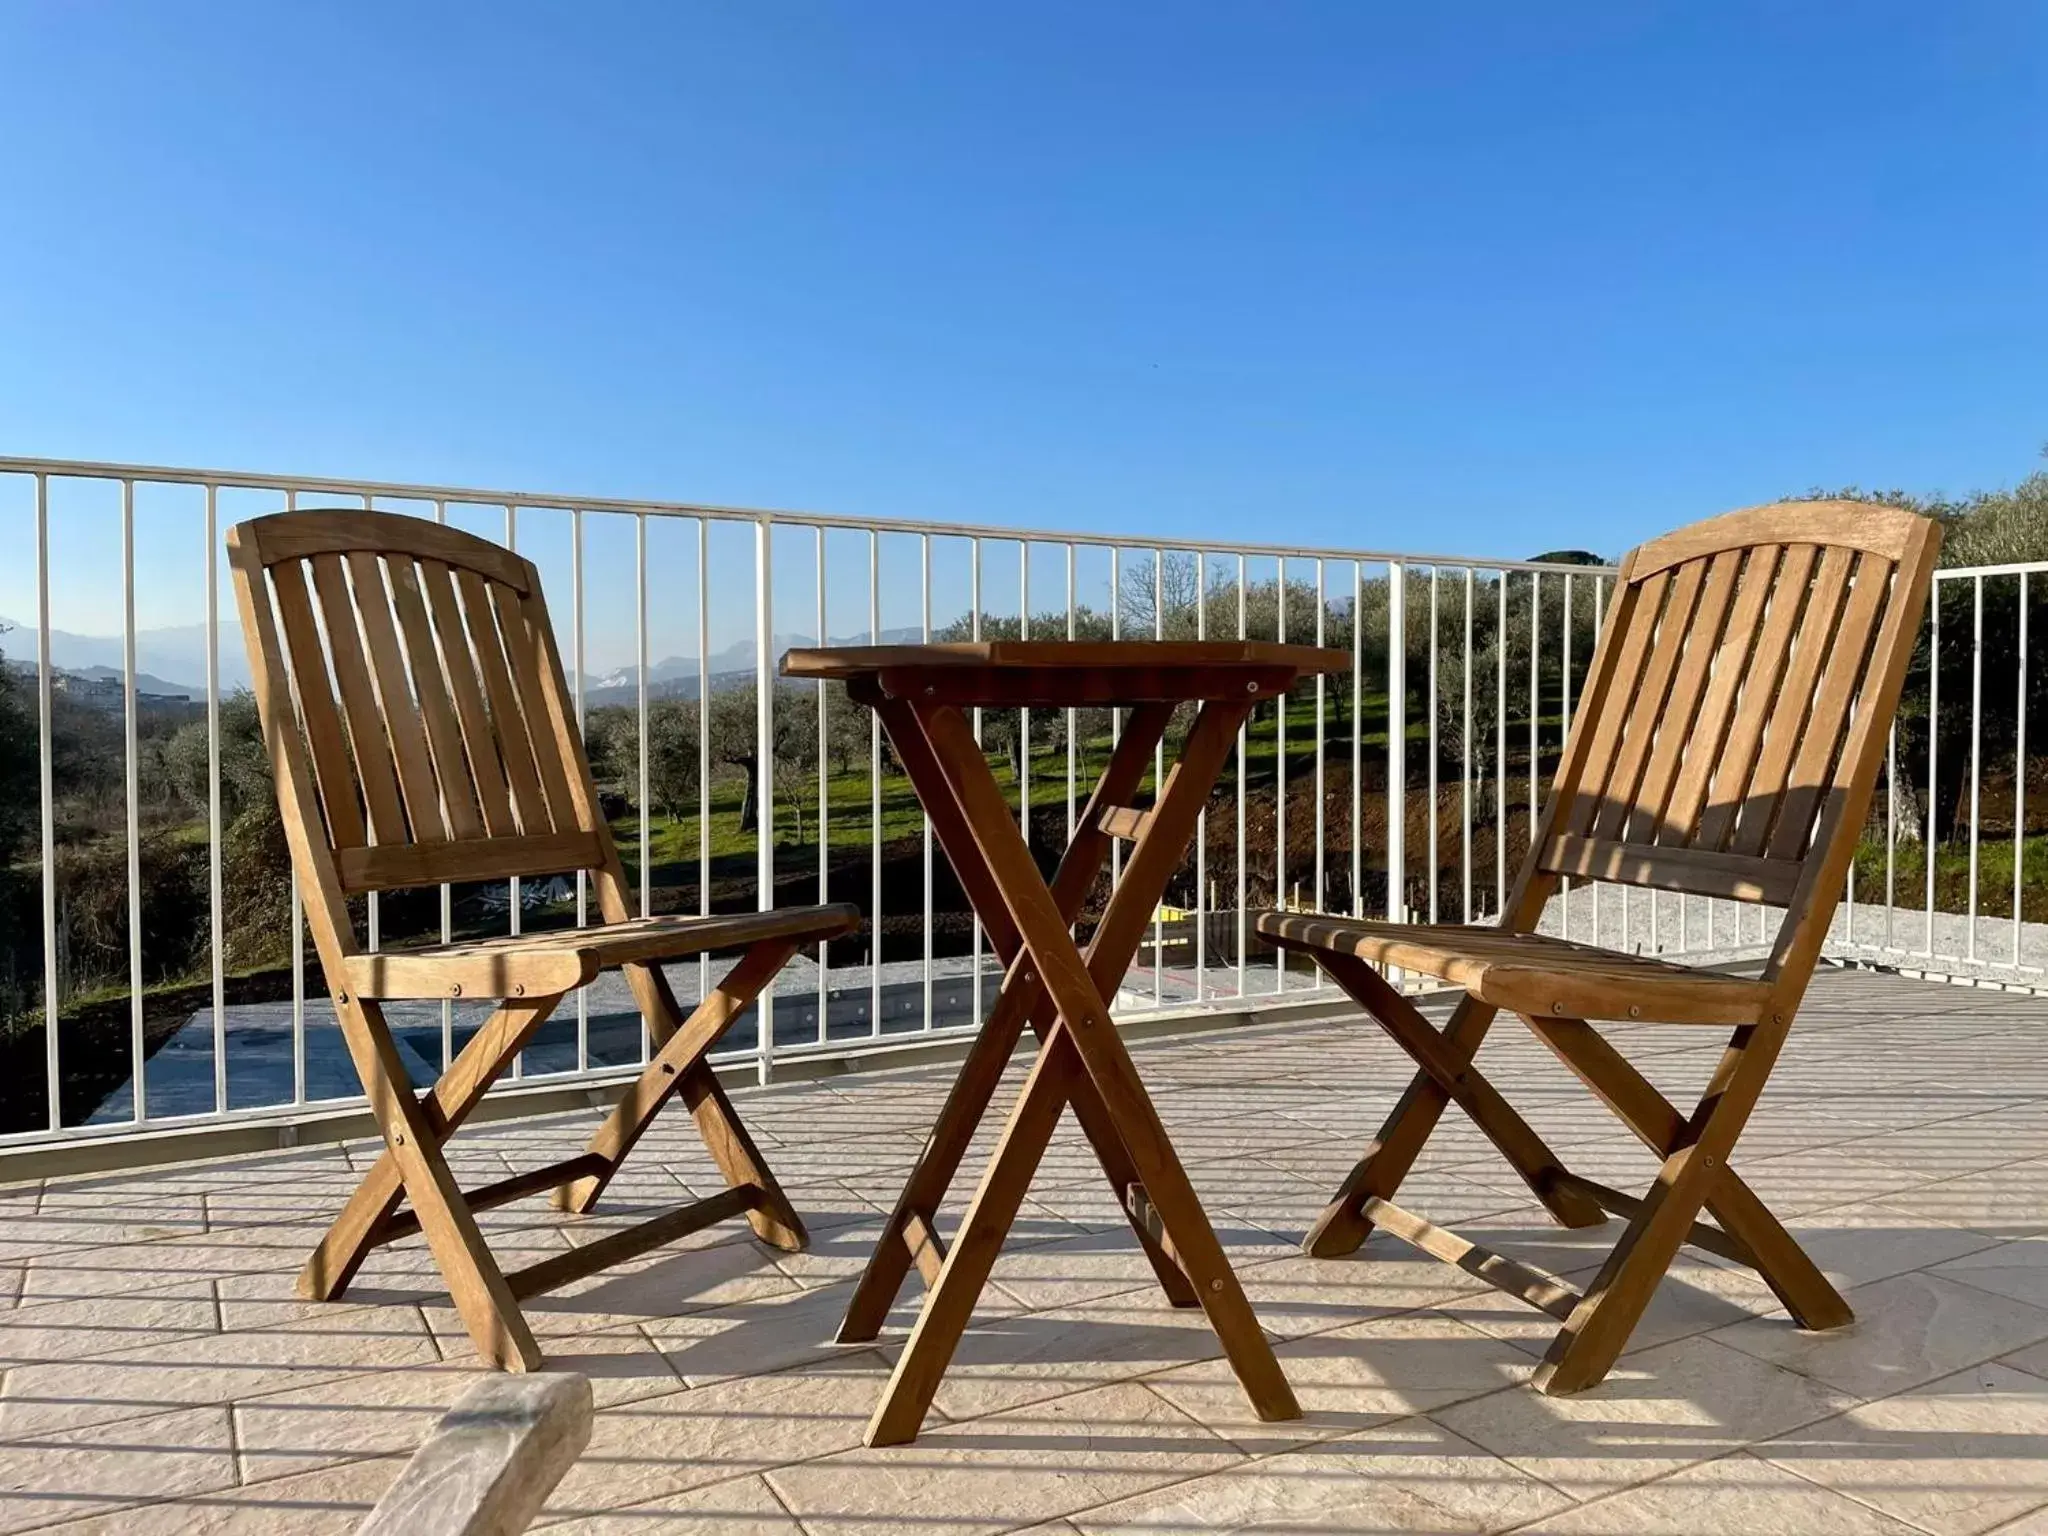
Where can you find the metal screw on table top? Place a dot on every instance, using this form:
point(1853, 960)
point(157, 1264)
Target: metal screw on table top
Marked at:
point(929, 690)
point(519, 989)
point(1251, 687)
point(1216, 1284)
point(455, 989)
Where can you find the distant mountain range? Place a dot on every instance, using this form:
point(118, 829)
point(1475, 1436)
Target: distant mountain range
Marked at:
point(179, 653)
point(676, 677)
point(160, 654)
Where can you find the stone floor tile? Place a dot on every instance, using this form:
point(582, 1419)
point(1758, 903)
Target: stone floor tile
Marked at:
point(1352, 1378)
point(1006, 1362)
point(1005, 1470)
point(44, 1398)
point(1954, 1457)
point(670, 1444)
point(772, 1332)
point(2010, 1201)
point(45, 1478)
point(744, 1506)
point(331, 1502)
point(1856, 1244)
point(1734, 1493)
point(1821, 1178)
point(1656, 1412)
point(2018, 1270)
point(1910, 1329)
point(1409, 1475)
point(97, 1325)
point(1299, 1295)
point(1695, 1296)
point(1090, 1265)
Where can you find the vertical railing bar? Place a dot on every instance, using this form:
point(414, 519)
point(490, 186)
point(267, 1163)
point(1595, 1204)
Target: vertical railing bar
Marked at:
point(132, 790)
point(514, 885)
point(1500, 755)
point(1433, 882)
point(1280, 896)
point(1465, 769)
point(764, 781)
point(1116, 725)
point(1535, 692)
point(291, 503)
point(1976, 752)
point(1357, 738)
point(640, 693)
point(925, 612)
point(1322, 897)
point(1158, 776)
point(1933, 737)
point(1599, 595)
point(974, 633)
point(582, 731)
point(1565, 724)
point(1397, 748)
point(703, 752)
point(824, 807)
point(45, 706)
point(447, 903)
point(874, 799)
point(1024, 715)
point(1891, 830)
point(1202, 817)
point(1243, 733)
point(2019, 778)
point(215, 898)
point(1073, 715)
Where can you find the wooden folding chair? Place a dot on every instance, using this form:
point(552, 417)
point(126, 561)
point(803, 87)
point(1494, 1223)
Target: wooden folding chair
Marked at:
point(1726, 745)
point(452, 754)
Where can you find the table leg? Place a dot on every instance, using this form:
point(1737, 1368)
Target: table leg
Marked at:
point(1020, 1000)
point(1078, 988)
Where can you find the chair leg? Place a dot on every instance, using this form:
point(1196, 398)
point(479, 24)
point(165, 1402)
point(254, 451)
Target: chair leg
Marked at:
point(1808, 1295)
point(675, 1066)
point(475, 1283)
point(1343, 1224)
point(352, 1237)
point(1455, 1076)
point(1586, 1348)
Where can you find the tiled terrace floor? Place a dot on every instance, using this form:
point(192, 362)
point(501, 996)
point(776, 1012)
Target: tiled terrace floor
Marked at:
point(160, 1377)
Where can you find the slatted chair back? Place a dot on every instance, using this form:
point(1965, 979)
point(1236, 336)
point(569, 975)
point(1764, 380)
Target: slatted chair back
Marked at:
point(415, 710)
point(1732, 724)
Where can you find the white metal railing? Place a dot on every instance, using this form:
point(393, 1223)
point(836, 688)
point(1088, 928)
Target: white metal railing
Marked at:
point(1471, 665)
point(215, 1037)
point(1942, 918)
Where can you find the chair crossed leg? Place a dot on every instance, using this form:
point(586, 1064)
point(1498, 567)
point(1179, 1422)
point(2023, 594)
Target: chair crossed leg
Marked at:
point(1065, 994)
point(417, 1129)
point(1694, 1175)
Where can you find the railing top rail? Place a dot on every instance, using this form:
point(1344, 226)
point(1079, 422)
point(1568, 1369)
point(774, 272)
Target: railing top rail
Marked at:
point(248, 480)
point(1971, 572)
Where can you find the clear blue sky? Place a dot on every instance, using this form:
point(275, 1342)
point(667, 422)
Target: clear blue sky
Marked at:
point(1490, 278)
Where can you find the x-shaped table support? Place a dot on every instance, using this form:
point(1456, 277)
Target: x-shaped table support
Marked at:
point(1063, 994)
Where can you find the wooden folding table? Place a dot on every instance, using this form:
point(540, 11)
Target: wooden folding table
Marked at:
point(1061, 990)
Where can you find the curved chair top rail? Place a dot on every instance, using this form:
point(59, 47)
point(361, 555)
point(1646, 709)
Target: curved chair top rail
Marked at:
point(1887, 532)
point(311, 531)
